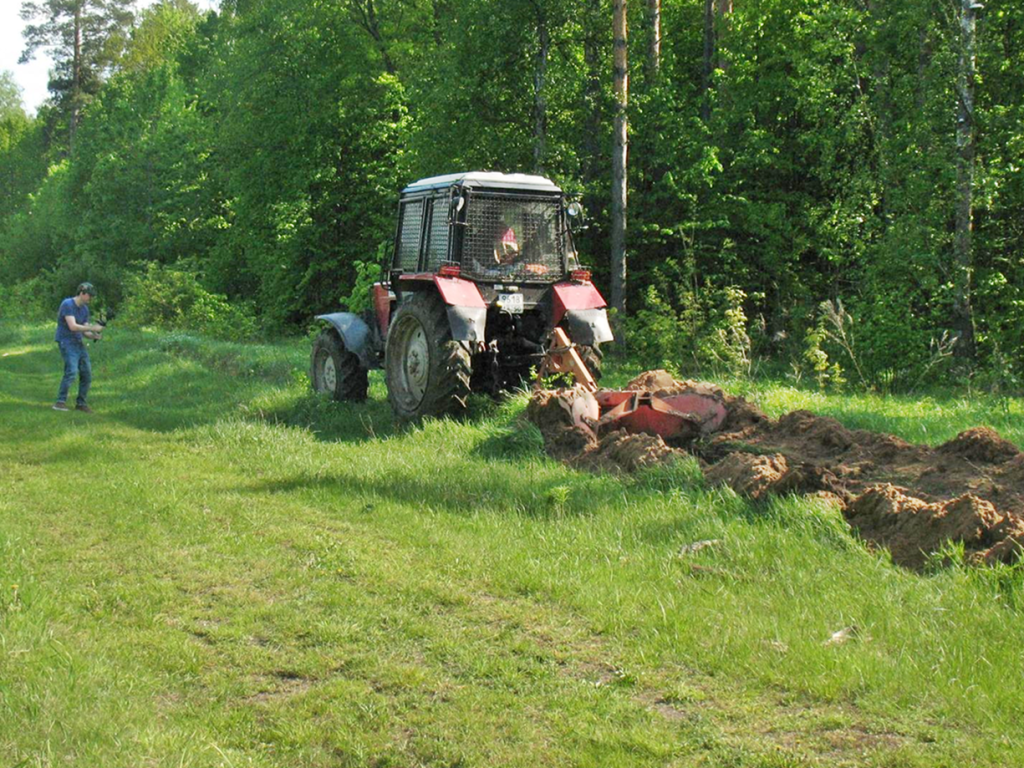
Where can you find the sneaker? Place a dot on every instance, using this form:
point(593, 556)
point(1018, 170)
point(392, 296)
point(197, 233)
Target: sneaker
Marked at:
point(82, 408)
point(60, 407)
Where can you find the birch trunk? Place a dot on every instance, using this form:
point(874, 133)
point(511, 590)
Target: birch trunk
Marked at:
point(619, 155)
point(540, 105)
point(963, 316)
point(654, 39)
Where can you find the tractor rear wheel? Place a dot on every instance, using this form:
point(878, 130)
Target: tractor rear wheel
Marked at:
point(336, 371)
point(427, 372)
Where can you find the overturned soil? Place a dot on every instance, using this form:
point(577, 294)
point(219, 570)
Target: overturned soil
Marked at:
point(909, 498)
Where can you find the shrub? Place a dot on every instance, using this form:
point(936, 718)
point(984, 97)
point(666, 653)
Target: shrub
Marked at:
point(833, 328)
point(172, 298)
point(27, 300)
point(360, 298)
point(880, 346)
point(704, 329)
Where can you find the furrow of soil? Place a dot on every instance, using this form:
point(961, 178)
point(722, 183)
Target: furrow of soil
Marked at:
point(909, 498)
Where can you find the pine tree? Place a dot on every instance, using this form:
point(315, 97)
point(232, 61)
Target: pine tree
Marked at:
point(86, 38)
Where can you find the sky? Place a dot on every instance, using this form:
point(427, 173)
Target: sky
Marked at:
point(33, 76)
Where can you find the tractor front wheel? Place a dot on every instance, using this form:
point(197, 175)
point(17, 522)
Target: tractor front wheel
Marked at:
point(334, 370)
point(427, 372)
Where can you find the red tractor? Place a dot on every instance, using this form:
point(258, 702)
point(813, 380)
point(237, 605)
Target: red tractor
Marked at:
point(483, 270)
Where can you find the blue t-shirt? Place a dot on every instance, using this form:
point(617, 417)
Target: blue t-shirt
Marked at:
point(68, 307)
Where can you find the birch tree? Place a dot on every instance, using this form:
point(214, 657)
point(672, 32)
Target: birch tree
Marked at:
point(962, 242)
point(619, 156)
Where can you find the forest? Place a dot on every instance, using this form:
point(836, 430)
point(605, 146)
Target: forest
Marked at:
point(832, 188)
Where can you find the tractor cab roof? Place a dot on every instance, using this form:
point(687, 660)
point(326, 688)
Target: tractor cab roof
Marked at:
point(520, 182)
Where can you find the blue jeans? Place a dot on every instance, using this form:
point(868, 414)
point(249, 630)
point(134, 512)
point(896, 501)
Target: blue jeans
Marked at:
point(76, 360)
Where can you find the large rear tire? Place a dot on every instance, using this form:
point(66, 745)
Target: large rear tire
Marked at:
point(427, 372)
point(334, 370)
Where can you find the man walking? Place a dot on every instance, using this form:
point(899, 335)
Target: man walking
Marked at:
point(72, 325)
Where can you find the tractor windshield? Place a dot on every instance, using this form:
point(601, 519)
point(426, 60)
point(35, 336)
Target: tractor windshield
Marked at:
point(513, 238)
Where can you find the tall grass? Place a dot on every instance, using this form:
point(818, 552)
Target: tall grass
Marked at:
point(219, 568)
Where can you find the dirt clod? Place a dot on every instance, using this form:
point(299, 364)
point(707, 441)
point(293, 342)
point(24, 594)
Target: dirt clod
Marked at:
point(566, 418)
point(748, 474)
point(911, 528)
point(980, 444)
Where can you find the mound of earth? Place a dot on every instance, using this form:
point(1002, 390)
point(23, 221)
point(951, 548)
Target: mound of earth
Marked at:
point(910, 527)
point(908, 498)
point(620, 450)
point(568, 420)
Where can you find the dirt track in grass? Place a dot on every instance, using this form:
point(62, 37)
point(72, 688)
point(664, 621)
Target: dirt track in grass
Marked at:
point(908, 498)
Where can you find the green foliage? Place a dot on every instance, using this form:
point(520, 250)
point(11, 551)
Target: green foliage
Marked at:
point(163, 31)
point(39, 235)
point(360, 298)
point(23, 161)
point(826, 372)
point(142, 174)
point(832, 328)
point(27, 300)
point(84, 38)
point(170, 298)
point(10, 96)
point(703, 329)
point(265, 144)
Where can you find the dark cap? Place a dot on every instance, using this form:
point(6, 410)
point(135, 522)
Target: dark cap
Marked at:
point(87, 288)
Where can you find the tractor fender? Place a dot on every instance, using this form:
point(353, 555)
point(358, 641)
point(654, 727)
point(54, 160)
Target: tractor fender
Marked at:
point(583, 309)
point(588, 326)
point(467, 310)
point(355, 333)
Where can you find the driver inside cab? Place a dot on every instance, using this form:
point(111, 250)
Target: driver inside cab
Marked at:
point(506, 247)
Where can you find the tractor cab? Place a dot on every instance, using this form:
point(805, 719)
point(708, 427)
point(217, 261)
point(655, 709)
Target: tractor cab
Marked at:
point(484, 227)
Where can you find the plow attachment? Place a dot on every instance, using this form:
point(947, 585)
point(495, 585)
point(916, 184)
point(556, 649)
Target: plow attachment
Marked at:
point(673, 415)
point(682, 416)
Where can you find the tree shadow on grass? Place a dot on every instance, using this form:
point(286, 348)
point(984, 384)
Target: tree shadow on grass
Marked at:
point(532, 490)
point(333, 422)
point(144, 384)
point(330, 421)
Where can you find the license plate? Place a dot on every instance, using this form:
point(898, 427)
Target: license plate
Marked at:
point(511, 302)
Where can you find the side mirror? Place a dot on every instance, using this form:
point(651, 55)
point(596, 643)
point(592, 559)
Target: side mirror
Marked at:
point(458, 203)
point(576, 216)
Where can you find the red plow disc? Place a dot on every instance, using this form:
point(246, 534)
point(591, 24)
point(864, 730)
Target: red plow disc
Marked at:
point(685, 415)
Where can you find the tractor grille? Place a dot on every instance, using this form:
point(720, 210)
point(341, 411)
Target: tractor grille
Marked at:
point(513, 238)
point(408, 256)
point(437, 234)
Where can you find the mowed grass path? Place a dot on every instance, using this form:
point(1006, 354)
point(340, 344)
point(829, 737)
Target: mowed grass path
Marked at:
point(219, 569)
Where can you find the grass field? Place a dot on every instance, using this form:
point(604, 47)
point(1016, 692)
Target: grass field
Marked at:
point(219, 569)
